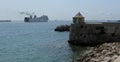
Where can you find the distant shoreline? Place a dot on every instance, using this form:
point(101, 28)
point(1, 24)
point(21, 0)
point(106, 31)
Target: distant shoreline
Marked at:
point(5, 20)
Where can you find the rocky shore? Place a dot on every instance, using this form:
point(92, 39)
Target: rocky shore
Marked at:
point(62, 28)
point(107, 52)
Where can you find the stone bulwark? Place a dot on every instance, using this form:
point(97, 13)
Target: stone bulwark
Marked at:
point(107, 52)
point(91, 34)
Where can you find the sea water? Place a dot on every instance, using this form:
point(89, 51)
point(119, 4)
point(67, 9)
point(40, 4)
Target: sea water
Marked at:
point(36, 42)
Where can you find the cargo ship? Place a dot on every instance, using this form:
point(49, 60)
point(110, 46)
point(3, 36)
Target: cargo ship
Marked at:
point(43, 18)
point(33, 18)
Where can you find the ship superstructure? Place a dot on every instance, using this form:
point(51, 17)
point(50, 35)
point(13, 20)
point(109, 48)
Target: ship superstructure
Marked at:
point(33, 18)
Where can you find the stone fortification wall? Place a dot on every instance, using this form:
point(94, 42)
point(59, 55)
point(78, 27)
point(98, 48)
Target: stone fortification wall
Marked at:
point(85, 34)
point(93, 34)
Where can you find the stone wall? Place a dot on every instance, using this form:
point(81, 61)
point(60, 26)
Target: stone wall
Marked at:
point(93, 34)
point(86, 34)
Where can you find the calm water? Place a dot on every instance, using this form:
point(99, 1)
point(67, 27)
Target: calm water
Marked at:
point(35, 42)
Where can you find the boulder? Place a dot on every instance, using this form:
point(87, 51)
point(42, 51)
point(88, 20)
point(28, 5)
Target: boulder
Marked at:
point(62, 28)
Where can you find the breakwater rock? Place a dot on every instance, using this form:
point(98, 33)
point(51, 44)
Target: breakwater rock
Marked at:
point(62, 28)
point(107, 52)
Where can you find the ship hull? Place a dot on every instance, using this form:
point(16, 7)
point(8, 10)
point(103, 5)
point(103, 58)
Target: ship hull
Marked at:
point(38, 19)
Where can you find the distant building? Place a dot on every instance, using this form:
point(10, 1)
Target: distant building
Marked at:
point(83, 33)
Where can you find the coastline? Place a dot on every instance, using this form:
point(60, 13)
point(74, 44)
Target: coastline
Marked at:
point(107, 52)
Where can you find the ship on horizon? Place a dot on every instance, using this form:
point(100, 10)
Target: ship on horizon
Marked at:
point(5, 20)
point(33, 18)
point(43, 18)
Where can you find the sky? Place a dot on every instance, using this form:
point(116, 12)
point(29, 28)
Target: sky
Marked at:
point(61, 9)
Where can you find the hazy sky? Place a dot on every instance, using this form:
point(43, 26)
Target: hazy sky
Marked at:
point(61, 9)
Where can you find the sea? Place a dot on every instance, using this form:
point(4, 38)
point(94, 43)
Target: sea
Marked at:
point(36, 42)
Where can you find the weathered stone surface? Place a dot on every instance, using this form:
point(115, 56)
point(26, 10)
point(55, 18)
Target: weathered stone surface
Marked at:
point(107, 52)
point(62, 28)
point(117, 60)
point(94, 40)
point(76, 60)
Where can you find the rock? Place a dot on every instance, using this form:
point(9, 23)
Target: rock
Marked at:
point(114, 57)
point(62, 28)
point(104, 51)
point(96, 60)
point(107, 59)
point(107, 52)
point(117, 60)
point(76, 60)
